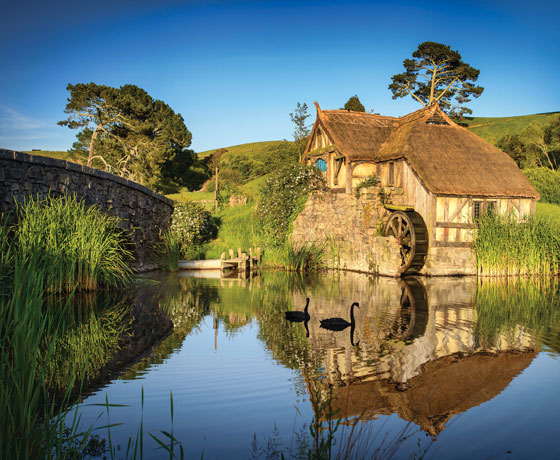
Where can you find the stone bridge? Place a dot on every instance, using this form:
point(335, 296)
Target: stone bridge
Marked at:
point(141, 211)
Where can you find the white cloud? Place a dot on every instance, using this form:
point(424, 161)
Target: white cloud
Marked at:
point(12, 120)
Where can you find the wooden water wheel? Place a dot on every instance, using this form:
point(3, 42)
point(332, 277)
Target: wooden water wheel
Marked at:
point(411, 233)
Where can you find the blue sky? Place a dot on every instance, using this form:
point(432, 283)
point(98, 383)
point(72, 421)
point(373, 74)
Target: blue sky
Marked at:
point(236, 69)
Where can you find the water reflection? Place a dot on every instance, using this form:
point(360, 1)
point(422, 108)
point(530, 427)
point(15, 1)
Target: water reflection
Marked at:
point(423, 348)
point(421, 352)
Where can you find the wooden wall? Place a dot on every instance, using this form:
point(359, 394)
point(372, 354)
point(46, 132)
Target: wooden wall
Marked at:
point(455, 215)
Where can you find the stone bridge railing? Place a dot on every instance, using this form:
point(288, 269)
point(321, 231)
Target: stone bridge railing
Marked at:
point(143, 212)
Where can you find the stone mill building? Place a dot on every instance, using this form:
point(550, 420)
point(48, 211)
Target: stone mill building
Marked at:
point(436, 178)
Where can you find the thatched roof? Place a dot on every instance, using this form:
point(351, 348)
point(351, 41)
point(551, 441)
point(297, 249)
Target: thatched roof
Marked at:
point(448, 158)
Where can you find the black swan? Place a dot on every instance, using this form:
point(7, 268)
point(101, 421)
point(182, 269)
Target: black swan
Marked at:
point(298, 316)
point(339, 324)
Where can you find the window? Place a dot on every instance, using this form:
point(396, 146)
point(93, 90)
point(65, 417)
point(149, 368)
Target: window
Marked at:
point(483, 207)
point(391, 178)
point(321, 165)
point(476, 209)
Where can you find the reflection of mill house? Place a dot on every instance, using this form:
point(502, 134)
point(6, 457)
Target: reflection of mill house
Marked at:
point(438, 177)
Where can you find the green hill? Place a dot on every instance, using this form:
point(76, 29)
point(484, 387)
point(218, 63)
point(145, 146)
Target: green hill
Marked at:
point(492, 129)
point(252, 148)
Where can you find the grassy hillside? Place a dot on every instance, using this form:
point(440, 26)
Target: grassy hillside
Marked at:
point(492, 129)
point(252, 148)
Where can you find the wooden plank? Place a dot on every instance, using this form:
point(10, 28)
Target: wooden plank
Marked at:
point(453, 244)
point(454, 225)
point(399, 207)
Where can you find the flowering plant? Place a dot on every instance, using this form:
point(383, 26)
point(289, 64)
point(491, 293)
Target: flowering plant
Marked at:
point(192, 224)
point(283, 196)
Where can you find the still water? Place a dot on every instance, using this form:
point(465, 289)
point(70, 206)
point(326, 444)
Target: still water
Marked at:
point(451, 367)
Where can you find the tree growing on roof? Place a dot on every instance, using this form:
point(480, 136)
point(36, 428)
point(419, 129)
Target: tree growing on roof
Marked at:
point(354, 104)
point(127, 131)
point(301, 130)
point(436, 73)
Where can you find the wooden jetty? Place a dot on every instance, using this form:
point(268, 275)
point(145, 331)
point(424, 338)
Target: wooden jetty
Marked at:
point(243, 263)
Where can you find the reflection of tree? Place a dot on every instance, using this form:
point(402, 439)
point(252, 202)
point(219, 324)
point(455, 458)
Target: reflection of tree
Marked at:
point(506, 309)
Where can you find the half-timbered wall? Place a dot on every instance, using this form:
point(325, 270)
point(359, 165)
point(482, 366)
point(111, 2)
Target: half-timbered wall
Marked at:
point(455, 216)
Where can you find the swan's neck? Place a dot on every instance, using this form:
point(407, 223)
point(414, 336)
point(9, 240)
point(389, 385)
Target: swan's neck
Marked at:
point(306, 306)
point(352, 314)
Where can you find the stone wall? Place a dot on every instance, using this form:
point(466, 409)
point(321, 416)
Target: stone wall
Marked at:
point(349, 228)
point(450, 261)
point(141, 211)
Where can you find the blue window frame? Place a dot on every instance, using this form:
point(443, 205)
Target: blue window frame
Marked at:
point(321, 165)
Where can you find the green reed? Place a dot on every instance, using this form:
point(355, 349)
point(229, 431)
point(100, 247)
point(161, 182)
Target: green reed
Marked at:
point(82, 247)
point(505, 247)
point(305, 258)
point(33, 337)
point(170, 247)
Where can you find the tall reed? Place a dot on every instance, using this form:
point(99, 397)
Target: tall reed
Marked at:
point(305, 258)
point(505, 247)
point(170, 247)
point(82, 247)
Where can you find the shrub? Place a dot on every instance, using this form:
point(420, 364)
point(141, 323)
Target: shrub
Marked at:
point(370, 181)
point(283, 197)
point(547, 183)
point(192, 224)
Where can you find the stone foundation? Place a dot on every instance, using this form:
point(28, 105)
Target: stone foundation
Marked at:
point(348, 228)
point(442, 261)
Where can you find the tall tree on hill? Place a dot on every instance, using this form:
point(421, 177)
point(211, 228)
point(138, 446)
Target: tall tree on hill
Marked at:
point(354, 104)
point(128, 131)
point(437, 74)
point(301, 130)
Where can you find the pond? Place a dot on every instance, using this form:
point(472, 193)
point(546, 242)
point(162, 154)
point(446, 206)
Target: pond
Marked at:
point(440, 367)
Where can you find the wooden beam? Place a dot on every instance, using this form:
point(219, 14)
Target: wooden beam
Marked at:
point(453, 244)
point(454, 225)
point(460, 207)
point(398, 207)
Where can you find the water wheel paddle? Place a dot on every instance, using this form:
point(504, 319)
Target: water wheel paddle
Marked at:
point(411, 233)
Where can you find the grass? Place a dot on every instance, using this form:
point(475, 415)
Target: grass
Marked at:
point(492, 129)
point(548, 210)
point(44, 353)
point(170, 246)
point(82, 247)
point(504, 247)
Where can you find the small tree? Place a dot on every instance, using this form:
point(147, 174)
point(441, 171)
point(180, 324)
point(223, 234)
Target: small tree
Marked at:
point(354, 104)
point(301, 130)
point(437, 74)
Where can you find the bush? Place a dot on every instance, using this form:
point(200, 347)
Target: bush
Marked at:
point(283, 196)
point(192, 224)
point(547, 183)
